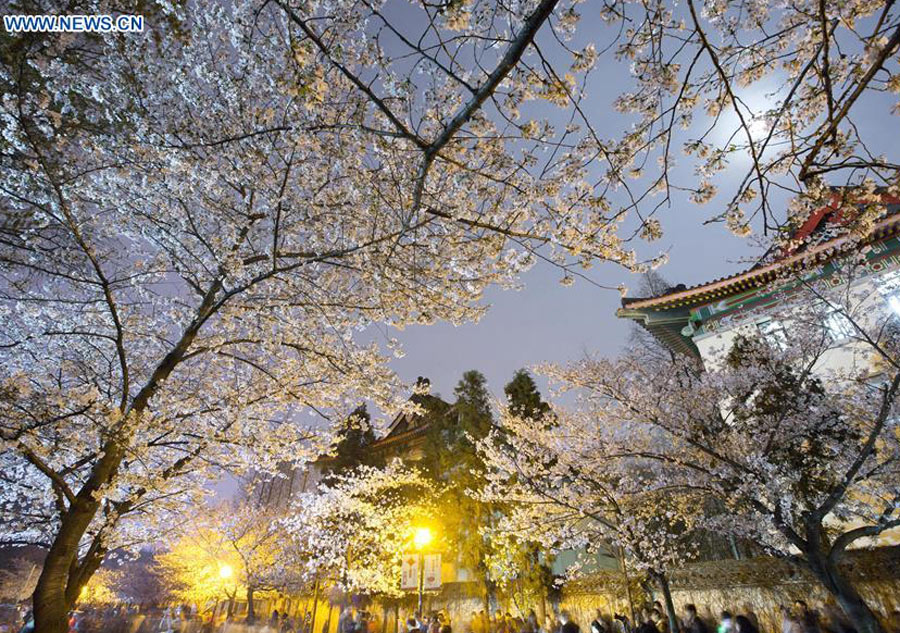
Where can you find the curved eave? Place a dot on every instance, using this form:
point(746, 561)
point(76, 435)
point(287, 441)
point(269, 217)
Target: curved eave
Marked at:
point(754, 278)
point(667, 329)
point(400, 438)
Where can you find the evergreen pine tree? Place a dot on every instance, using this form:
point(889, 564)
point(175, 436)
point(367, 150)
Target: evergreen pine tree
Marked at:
point(450, 456)
point(535, 578)
point(523, 397)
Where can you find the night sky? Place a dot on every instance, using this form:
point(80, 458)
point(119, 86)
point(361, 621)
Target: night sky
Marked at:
point(546, 321)
point(549, 322)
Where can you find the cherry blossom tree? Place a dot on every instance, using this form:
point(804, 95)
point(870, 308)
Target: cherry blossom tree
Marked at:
point(355, 531)
point(763, 98)
point(253, 534)
point(795, 436)
point(195, 569)
point(101, 589)
point(198, 220)
point(245, 537)
point(767, 91)
point(565, 487)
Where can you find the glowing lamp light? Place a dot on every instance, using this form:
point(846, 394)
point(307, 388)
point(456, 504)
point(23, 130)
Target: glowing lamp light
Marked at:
point(421, 537)
point(225, 572)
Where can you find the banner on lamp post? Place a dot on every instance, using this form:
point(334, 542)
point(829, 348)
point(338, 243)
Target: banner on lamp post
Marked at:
point(409, 573)
point(432, 574)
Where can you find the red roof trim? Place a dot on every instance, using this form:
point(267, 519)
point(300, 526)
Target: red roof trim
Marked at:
point(813, 221)
point(753, 276)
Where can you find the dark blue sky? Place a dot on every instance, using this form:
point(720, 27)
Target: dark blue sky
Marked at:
point(546, 321)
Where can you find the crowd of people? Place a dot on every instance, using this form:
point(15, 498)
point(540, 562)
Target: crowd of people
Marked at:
point(172, 619)
point(437, 622)
point(797, 618)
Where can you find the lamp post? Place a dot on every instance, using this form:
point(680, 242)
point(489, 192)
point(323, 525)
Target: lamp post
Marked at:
point(421, 539)
point(225, 572)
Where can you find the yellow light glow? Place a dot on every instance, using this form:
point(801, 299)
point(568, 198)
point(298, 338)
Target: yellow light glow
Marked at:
point(225, 572)
point(421, 537)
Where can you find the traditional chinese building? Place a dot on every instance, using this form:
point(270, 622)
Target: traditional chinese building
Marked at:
point(407, 432)
point(702, 320)
point(404, 439)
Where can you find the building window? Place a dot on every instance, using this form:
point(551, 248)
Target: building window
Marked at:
point(839, 326)
point(889, 287)
point(774, 333)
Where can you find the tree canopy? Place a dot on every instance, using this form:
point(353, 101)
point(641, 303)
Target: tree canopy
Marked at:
point(788, 441)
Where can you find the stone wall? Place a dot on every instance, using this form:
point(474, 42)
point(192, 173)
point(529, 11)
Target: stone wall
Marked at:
point(757, 585)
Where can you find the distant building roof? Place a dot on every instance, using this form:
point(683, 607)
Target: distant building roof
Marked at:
point(822, 223)
point(407, 427)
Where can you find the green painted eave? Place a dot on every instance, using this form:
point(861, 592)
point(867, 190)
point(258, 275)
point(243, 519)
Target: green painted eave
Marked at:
point(666, 326)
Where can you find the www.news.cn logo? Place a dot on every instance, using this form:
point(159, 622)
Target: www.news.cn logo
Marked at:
point(73, 23)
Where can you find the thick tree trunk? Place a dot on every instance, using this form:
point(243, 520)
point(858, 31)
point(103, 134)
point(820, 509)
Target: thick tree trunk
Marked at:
point(251, 608)
point(50, 608)
point(62, 578)
point(663, 582)
point(844, 593)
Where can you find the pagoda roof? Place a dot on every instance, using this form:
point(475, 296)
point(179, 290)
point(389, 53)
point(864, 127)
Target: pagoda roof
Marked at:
point(821, 240)
point(407, 427)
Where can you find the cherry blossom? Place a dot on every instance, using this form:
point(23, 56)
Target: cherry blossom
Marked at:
point(790, 441)
point(355, 532)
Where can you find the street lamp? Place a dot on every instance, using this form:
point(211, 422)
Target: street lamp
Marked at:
point(225, 572)
point(421, 539)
